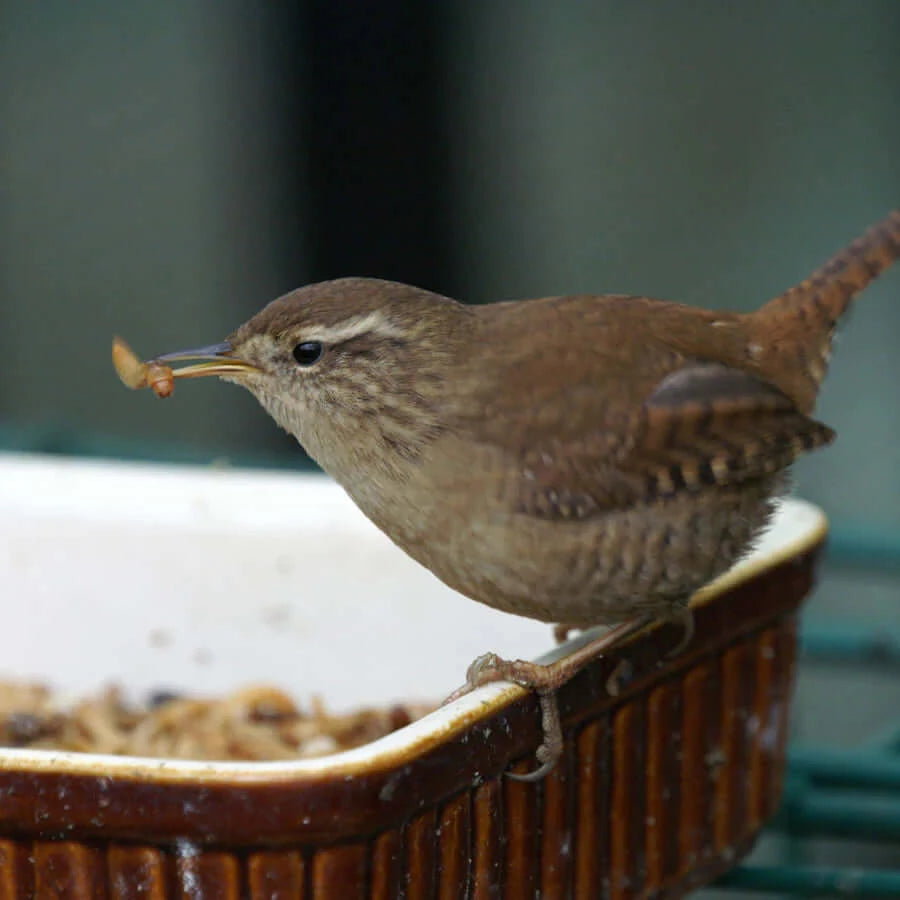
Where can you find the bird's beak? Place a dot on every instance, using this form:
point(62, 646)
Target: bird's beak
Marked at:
point(217, 359)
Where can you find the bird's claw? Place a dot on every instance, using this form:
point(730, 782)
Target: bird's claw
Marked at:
point(551, 747)
point(486, 669)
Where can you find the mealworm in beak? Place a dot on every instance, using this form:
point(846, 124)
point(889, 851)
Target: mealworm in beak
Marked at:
point(135, 374)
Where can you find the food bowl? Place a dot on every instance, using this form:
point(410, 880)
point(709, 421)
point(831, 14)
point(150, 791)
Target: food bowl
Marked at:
point(205, 580)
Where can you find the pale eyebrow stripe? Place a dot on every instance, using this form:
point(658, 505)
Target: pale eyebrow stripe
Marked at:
point(370, 323)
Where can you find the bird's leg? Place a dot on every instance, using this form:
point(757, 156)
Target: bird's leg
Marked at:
point(545, 680)
point(678, 613)
point(562, 632)
point(682, 614)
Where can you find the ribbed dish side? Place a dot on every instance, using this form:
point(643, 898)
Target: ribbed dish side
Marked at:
point(651, 799)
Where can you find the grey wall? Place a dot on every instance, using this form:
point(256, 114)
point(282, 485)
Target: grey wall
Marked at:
point(142, 185)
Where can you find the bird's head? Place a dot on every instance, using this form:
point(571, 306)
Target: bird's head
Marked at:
point(355, 368)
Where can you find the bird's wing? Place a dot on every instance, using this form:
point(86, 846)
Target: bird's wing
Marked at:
point(702, 425)
point(581, 438)
point(709, 424)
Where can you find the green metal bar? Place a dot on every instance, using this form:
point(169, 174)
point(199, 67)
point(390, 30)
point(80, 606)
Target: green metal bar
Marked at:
point(860, 817)
point(58, 439)
point(814, 881)
point(793, 848)
point(886, 742)
point(864, 547)
point(851, 645)
point(849, 768)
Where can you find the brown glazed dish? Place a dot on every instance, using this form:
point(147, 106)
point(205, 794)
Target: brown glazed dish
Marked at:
point(661, 788)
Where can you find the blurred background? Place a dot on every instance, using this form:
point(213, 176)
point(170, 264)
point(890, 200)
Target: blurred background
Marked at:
point(167, 168)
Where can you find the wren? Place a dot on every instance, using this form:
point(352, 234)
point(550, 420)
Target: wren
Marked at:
point(586, 460)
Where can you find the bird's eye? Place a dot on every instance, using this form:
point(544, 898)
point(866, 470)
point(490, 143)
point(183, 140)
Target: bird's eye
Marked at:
point(307, 353)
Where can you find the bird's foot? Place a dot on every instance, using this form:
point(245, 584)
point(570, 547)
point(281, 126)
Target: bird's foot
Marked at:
point(544, 680)
point(489, 667)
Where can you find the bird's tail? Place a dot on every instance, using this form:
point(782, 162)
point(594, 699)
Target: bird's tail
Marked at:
point(793, 332)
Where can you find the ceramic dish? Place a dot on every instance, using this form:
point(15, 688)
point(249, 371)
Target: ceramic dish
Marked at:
point(206, 580)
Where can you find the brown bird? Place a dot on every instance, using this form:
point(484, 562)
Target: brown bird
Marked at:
point(585, 460)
